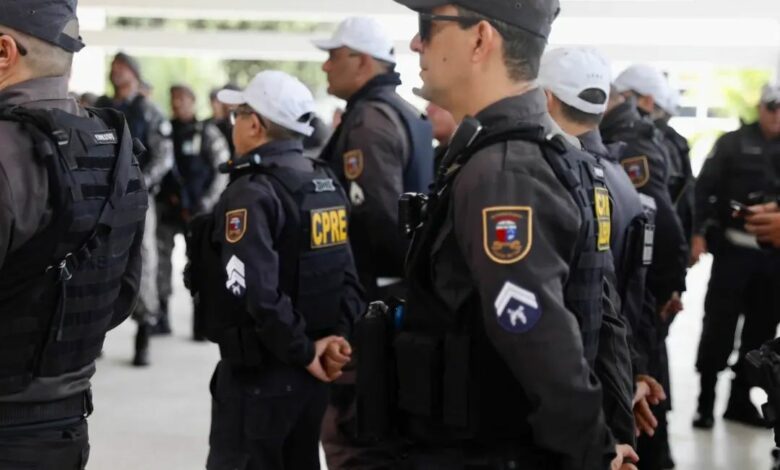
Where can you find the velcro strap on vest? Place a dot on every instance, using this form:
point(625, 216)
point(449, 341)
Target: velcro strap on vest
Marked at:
point(14, 414)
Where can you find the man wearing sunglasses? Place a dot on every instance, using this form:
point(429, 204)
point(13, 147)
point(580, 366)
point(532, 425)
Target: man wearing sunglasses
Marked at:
point(743, 168)
point(72, 207)
point(281, 287)
point(491, 360)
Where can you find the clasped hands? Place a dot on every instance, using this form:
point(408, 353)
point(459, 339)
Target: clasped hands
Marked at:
point(331, 354)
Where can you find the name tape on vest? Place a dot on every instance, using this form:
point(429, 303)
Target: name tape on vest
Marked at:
point(106, 138)
point(329, 227)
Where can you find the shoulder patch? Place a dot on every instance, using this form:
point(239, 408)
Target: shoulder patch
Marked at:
point(638, 170)
point(507, 233)
point(235, 225)
point(517, 309)
point(353, 164)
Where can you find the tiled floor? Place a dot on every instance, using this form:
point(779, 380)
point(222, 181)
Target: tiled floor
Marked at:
point(158, 418)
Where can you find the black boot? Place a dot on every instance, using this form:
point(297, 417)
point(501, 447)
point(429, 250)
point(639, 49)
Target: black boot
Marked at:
point(163, 325)
point(141, 357)
point(704, 418)
point(740, 409)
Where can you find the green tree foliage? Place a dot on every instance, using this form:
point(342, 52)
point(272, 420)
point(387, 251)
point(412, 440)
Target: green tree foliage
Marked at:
point(741, 91)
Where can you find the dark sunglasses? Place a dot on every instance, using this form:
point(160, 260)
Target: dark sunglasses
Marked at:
point(426, 23)
point(772, 106)
point(22, 49)
point(245, 111)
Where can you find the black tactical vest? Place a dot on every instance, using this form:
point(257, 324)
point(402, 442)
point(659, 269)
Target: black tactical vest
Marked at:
point(313, 253)
point(192, 172)
point(450, 376)
point(57, 292)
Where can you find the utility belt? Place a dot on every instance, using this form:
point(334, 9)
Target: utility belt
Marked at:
point(423, 376)
point(30, 416)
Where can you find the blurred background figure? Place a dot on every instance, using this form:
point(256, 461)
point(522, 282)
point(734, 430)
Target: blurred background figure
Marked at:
point(444, 126)
point(148, 124)
point(193, 186)
point(220, 115)
point(741, 170)
point(88, 99)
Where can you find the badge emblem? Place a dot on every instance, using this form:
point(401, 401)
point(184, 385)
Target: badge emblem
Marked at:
point(353, 164)
point(638, 170)
point(508, 233)
point(235, 225)
point(517, 309)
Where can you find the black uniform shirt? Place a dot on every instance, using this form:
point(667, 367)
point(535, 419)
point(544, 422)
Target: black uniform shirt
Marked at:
point(509, 187)
point(249, 221)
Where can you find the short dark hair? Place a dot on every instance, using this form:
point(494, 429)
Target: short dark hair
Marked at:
point(277, 132)
point(591, 95)
point(522, 50)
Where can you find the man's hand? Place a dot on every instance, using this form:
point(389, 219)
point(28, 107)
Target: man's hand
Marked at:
point(648, 392)
point(671, 307)
point(624, 452)
point(698, 248)
point(336, 357)
point(764, 223)
point(316, 367)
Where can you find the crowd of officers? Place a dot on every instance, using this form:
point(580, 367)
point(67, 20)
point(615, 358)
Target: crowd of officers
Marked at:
point(522, 276)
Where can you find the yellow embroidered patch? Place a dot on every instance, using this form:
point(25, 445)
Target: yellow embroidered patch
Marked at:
point(329, 227)
point(603, 218)
point(507, 233)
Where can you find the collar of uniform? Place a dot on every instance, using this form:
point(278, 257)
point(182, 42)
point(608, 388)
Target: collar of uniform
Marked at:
point(277, 151)
point(386, 80)
point(622, 115)
point(594, 144)
point(37, 89)
point(530, 107)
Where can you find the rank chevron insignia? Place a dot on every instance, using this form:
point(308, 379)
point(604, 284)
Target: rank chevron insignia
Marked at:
point(236, 282)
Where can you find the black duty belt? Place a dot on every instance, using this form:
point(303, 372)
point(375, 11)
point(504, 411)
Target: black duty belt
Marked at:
point(13, 415)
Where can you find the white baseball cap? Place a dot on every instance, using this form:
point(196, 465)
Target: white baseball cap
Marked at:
point(770, 93)
point(670, 101)
point(569, 71)
point(361, 34)
point(277, 96)
point(643, 79)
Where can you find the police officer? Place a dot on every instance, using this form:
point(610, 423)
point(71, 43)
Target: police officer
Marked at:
point(658, 100)
point(743, 167)
point(382, 148)
point(492, 364)
point(220, 115)
point(577, 83)
point(147, 124)
point(72, 204)
point(645, 159)
point(191, 187)
point(289, 281)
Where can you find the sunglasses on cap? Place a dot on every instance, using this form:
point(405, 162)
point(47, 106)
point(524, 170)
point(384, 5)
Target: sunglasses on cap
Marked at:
point(426, 20)
point(772, 106)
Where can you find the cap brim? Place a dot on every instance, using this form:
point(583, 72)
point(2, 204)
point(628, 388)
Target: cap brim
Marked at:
point(418, 5)
point(326, 44)
point(231, 97)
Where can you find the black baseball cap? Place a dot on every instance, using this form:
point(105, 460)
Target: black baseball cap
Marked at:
point(534, 16)
point(44, 19)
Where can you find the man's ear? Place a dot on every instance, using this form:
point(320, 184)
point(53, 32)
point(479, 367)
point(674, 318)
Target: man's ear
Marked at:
point(9, 52)
point(486, 40)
